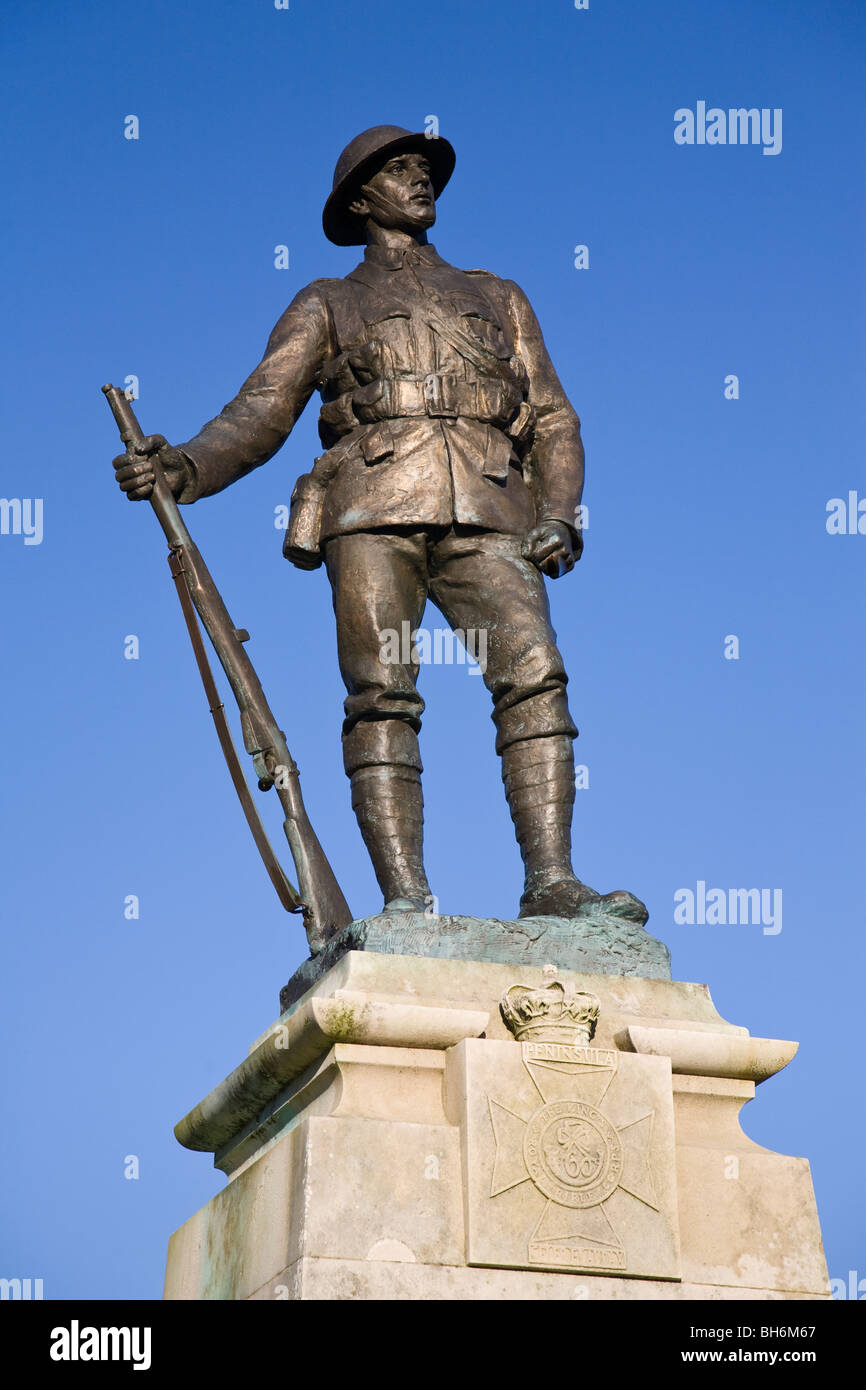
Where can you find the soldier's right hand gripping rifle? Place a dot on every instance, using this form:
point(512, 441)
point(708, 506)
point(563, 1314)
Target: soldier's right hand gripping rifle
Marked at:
point(152, 469)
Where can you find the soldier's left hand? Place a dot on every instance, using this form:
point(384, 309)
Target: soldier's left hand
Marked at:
point(550, 547)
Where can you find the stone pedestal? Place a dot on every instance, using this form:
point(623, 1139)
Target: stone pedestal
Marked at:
point(390, 1138)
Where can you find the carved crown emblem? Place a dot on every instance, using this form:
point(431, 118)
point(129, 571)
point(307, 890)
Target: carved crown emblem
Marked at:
point(555, 1012)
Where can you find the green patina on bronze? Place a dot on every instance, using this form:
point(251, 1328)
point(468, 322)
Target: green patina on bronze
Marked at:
point(594, 942)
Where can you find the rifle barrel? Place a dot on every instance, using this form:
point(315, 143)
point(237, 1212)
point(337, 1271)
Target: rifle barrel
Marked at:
point(326, 909)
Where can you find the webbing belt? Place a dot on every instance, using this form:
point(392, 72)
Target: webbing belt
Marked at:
point(441, 394)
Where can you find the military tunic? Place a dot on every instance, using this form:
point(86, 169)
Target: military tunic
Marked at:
point(447, 438)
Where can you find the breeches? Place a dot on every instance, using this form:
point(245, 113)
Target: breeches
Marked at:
point(482, 586)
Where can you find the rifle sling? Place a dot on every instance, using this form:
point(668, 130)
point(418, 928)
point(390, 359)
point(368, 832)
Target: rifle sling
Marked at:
point(288, 896)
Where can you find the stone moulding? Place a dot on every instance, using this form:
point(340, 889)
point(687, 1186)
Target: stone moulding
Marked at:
point(710, 1054)
point(299, 1040)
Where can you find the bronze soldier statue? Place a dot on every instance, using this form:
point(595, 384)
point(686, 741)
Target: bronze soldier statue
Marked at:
point(453, 469)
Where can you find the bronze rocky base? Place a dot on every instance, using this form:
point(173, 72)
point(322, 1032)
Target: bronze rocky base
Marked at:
point(596, 941)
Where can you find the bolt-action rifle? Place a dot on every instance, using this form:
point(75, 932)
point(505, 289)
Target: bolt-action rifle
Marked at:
point(318, 897)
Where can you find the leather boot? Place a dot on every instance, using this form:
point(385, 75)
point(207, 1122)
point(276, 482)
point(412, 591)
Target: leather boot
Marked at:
point(388, 803)
point(539, 784)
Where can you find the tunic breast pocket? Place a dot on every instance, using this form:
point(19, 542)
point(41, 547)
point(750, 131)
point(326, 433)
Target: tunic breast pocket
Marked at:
point(392, 328)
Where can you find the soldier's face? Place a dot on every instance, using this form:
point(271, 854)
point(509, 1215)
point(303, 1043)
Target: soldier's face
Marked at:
point(400, 195)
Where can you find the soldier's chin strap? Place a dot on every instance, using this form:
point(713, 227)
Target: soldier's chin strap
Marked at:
point(381, 202)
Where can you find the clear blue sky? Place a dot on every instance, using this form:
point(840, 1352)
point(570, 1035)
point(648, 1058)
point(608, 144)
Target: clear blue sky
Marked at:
point(707, 518)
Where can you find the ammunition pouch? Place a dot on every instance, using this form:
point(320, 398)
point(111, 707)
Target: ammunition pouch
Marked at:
point(302, 541)
point(302, 544)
